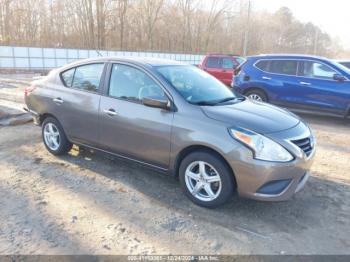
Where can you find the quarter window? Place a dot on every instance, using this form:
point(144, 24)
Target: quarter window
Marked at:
point(263, 65)
point(317, 70)
point(67, 77)
point(88, 77)
point(132, 84)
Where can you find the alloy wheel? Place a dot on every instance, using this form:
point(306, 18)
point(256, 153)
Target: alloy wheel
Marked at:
point(255, 97)
point(203, 181)
point(52, 136)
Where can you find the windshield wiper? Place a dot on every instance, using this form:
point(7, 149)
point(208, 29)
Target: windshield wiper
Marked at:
point(215, 102)
point(240, 98)
point(204, 103)
point(226, 100)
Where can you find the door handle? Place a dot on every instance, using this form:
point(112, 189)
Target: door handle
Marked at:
point(58, 100)
point(110, 112)
point(266, 78)
point(305, 84)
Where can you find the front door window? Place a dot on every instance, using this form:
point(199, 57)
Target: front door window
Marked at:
point(132, 84)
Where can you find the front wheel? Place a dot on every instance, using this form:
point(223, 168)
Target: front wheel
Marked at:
point(206, 180)
point(54, 138)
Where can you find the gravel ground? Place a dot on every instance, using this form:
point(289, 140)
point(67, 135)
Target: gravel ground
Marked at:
point(91, 203)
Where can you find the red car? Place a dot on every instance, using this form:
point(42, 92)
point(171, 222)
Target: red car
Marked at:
point(221, 66)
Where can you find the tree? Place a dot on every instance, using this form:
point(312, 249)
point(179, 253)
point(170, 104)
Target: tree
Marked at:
point(162, 25)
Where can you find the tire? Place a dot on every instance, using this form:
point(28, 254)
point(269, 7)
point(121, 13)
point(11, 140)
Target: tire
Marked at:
point(257, 95)
point(56, 142)
point(214, 166)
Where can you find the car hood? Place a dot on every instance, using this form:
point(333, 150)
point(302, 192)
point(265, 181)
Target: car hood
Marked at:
point(260, 117)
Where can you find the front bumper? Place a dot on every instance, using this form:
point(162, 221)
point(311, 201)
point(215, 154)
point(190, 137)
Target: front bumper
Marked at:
point(272, 181)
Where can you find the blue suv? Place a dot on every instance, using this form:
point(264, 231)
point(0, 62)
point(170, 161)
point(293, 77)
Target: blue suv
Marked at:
point(298, 82)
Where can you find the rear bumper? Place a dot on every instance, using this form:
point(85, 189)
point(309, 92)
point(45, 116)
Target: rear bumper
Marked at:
point(35, 115)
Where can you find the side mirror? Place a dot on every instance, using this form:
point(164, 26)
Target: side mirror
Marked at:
point(338, 77)
point(157, 102)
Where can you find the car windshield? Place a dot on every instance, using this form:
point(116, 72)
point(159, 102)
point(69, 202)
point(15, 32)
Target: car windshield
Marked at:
point(195, 85)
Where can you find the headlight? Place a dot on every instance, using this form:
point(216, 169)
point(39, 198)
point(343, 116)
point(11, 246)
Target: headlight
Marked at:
point(262, 147)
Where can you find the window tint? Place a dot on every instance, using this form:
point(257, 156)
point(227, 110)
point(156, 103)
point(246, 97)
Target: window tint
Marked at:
point(227, 63)
point(132, 84)
point(214, 62)
point(263, 65)
point(67, 77)
point(284, 67)
point(87, 77)
point(317, 70)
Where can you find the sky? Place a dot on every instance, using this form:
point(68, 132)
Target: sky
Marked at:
point(332, 16)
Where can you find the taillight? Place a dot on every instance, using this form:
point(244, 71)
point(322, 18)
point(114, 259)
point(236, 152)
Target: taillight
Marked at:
point(28, 90)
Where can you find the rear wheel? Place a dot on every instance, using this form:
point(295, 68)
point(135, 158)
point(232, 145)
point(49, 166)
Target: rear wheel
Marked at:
point(257, 95)
point(206, 180)
point(54, 138)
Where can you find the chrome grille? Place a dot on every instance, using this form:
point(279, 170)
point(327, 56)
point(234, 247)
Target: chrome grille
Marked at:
point(305, 145)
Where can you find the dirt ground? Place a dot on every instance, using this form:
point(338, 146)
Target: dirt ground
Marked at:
point(91, 203)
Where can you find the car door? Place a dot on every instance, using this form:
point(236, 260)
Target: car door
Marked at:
point(319, 90)
point(228, 66)
point(76, 102)
point(128, 127)
point(214, 67)
point(279, 78)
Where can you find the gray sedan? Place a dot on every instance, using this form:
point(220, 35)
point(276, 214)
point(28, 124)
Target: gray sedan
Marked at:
point(177, 119)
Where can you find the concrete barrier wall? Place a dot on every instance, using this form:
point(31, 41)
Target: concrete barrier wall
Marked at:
point(35, 58)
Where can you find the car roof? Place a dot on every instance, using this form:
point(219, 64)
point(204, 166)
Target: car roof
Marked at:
point(143, 61)
point(286, 56)
point(223, 55)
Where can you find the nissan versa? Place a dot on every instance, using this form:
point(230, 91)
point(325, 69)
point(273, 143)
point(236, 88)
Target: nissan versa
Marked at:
point(178, 119)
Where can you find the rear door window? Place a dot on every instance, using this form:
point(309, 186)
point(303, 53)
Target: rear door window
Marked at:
point(214, 62)
point(281, 67)
point(132, 84)
point(284, 67)
point(88, 77)
point(227, 63)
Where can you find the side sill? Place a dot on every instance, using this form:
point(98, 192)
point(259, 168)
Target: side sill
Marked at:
point(163, 170)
